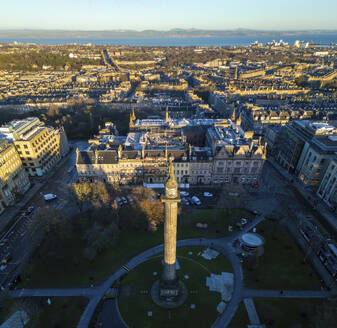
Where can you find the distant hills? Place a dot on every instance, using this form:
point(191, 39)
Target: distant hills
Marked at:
point(173, 33)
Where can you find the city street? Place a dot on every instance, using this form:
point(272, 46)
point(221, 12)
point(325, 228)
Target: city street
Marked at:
point(20, 239)
point(57, 184)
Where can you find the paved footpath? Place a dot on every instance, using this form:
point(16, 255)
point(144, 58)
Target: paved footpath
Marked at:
point(251, 310)
point(222, 245)
point(45, 292)
point(268, 293)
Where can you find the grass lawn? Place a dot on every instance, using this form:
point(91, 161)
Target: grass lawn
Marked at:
point(62, 312)
point(240, 319)
point(7, 308)
point(217, 265)
point(291, 313)
point(218, 221)
point(134, 306)
point(68, 267)
point(281, 266)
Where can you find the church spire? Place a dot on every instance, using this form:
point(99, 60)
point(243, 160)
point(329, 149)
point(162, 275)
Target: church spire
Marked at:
point(167, 117)
point(133, 115)
point(233, 115)
point(131, 125)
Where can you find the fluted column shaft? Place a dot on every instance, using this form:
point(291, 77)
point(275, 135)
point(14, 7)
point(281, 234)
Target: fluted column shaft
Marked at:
point(170, 240)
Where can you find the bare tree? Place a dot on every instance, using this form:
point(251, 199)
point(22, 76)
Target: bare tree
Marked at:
point(101, 197)
point(147, 202)
point(80, 193)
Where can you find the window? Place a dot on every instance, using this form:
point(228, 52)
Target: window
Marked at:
point(25, 146)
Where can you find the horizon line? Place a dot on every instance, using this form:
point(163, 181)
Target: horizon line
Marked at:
point(168, 30)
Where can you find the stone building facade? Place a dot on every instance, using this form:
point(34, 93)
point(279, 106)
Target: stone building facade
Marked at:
point(328, 187)
point(39, 146)
point(229, 155)
point(13, 178)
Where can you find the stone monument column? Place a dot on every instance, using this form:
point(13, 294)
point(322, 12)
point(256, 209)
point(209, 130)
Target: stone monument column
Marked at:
point(169, 291)
point(170, 199)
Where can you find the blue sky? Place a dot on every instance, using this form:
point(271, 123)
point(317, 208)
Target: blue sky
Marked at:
point(167, 14)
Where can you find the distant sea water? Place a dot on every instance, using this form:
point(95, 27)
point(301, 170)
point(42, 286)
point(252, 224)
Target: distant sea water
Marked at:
point(323, 39)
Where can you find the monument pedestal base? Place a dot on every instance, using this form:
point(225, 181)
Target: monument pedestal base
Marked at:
point(169, 295)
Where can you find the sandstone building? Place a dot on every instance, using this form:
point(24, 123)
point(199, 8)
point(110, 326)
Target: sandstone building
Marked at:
point(229, 154)
point(39, 146)
point(13, 178)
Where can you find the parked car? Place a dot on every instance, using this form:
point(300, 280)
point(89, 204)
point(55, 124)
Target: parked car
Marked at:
point(185, 201)
point(184, 193)
point(196, 200)
point(130, 199)
point(7, 258)
point(124, 200)
point(208, 194)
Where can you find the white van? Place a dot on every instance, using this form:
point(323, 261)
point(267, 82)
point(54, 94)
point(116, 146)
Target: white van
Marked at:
point(48, 197)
